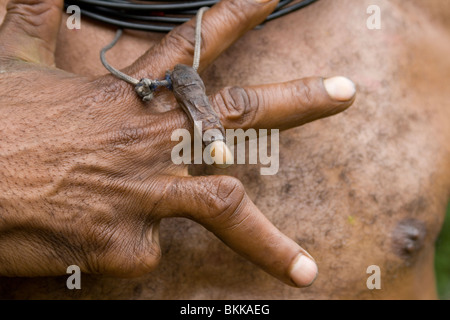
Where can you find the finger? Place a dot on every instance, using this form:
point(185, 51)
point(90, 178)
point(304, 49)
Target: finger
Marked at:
point(284, 105)
point(30, 29)
point(220, 204)
point(221, 26)
point(276, 106)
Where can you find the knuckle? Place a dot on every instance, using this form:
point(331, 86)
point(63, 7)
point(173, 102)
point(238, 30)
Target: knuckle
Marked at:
point(225, 202)
point(182, 39)
point(32, 12)
point(237, 106)
point(303, 92)
point(109, 91)
point(111, 105)
point(127, 136)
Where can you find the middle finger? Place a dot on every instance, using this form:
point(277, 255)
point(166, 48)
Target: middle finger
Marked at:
point(225, 23)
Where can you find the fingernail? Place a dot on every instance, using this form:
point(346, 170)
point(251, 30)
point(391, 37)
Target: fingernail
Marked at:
point(261, 1)
point(304, 271)
point(221, 154)
point(340, 88)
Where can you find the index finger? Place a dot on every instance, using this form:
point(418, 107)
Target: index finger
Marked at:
point(221, 205)
point(225, 23)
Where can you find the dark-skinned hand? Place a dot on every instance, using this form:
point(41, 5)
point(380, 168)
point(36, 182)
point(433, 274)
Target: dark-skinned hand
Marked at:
point(85, 166)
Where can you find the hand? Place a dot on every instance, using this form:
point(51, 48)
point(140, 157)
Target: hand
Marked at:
point(85, 166)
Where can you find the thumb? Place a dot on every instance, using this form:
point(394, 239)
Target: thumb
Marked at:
point(30, 29)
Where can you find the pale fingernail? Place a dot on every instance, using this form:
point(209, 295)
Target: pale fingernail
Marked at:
point(261, 1)
point(221, 154)
point(303, 271)
point(340, 88)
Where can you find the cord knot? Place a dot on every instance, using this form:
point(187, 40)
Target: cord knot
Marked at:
point(146, 87)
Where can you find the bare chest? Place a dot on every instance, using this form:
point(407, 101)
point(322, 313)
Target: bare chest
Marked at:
point(367, 187)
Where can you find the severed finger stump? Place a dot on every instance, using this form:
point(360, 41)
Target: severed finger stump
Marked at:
point(189, 90)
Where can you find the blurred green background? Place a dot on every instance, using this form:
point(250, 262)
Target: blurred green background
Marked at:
point(443, 259)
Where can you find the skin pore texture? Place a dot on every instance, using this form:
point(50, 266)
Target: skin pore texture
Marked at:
point(366, 187)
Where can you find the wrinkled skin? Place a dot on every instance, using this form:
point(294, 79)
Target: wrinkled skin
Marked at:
point(367, 187)
point(87, 172)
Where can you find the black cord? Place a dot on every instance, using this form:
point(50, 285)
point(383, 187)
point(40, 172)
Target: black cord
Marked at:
point(159, 16)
